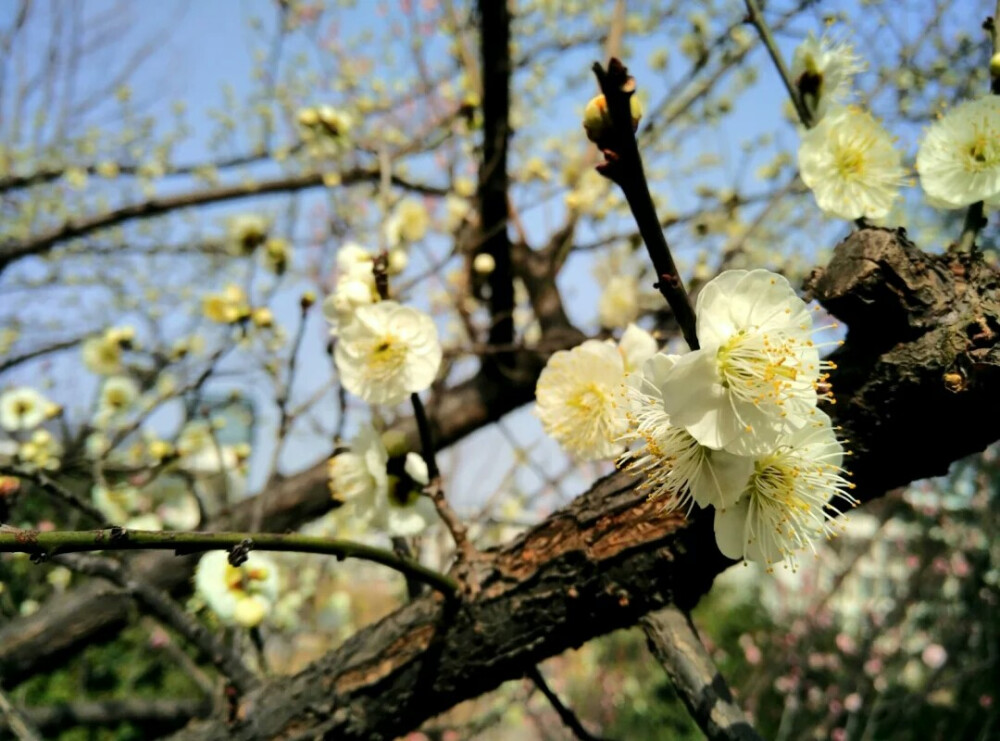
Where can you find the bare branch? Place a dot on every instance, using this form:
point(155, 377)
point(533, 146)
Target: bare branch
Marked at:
point(675, 643)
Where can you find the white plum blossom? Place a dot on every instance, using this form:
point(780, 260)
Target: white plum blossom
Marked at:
point(823, 72)
point(245, 233)
point(619, 303)
point(756, 375)
point(579, 396)
point(407, 224)
point(355, 285)
point(23, 408)
point(117, 394)
point(384, 501)
point(41, 452)
point(387, 352)
point(785, 506)
point(677, 468)
point(851, 164)
point(959, 158)
point(241, 595)
point(359, 473)
point(636, 346)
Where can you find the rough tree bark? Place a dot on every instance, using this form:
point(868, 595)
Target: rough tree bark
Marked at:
point(922, 358)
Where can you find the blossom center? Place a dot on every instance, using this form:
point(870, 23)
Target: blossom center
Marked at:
point(983, 152)
point(758, 366)
point(388, 356)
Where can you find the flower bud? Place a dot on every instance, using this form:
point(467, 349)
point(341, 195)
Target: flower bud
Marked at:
point(484, 263)
point(597, 120)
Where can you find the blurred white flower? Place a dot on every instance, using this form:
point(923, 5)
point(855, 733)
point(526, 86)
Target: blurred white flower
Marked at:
point(241, 595)
point(959, 158)
point(117, 394)
point(245, 233)
point(22, 408)
point(360, 472)
point(823, 72)
point(103, 355)
point(387, 352)
point(408, 223)
point(636, 346)
point(41, 452)
point(390, 503)
point(619, 303)
point(851, 164)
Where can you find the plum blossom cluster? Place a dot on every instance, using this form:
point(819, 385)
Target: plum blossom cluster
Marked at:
point(851, 163)
point(384, 353)
point(734, 424)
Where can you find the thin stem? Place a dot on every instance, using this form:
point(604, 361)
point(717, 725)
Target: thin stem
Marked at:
point(18, 724)
point(756, 19)
point(623, 165)
point(566, 715)
point(58, 491)
point(452, 521)
point(159, 603)
point(119, 539)
point(975, 219)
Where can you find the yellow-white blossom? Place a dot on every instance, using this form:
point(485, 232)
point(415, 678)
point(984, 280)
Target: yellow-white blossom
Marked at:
point(408, 223)
point(579, 397)
point(383, 501)
point(241, 595)
point(227, 307)
point(387, 352)
point(959, 158)
point(785, 505)
point(41, 451)
point(277, 254)
point(22, 408)
point(756, 376)
point(851, 164)
point(619, 304)
point(245, 233)
point(103, 354)
point(117, 394)
point(325, 130)
point(823, 72)
point(676, 468)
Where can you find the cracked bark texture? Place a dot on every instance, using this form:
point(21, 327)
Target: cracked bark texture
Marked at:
point(921, 359)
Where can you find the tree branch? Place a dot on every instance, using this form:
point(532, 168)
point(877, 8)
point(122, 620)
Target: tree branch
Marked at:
point(55, 543)
point(675, 643)
point(158, 603)
point(566, 715)
point(623, 165)
point(494, 33)
point(71, 229)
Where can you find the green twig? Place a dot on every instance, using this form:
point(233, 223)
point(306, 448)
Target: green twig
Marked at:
point(119, 539)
